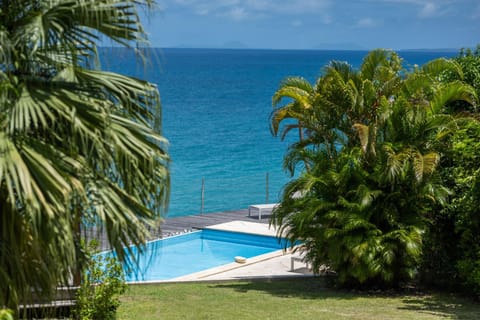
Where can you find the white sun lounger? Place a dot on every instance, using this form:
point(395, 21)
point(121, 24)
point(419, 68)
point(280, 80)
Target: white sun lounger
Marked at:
point(300, 259)
point(261, 208)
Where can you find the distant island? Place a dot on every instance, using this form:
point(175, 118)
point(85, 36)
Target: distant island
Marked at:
point(430, 50)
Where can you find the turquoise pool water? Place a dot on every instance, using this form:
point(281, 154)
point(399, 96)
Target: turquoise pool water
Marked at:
point(197, 251)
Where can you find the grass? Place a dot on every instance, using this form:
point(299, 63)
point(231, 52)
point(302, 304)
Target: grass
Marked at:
point(285, 299)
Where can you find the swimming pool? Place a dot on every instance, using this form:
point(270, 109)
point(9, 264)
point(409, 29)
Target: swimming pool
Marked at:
point(173, 257)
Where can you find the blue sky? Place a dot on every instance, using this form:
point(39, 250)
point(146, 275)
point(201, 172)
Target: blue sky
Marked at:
point(310, 24)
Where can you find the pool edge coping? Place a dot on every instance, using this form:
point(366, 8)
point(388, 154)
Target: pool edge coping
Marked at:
point(201, 276)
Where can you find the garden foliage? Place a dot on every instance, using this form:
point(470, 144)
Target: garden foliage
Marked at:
point(370, 145)
point(102, 282)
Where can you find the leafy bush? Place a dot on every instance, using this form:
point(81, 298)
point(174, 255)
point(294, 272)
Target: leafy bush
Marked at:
point(6, 314)
point(453, 246)
point(367, 233)
point(371, 141)
point(102, 282)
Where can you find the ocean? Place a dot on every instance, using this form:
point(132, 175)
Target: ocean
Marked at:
point(216, 108)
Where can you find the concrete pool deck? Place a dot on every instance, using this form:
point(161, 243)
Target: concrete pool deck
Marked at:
point(259, 228)
point(271, 265)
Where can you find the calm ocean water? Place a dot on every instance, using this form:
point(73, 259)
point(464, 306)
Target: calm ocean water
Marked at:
point(216, 108)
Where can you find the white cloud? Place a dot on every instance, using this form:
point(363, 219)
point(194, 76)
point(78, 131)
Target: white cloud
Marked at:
point(299, 6)
point(325, 11)
point(202, 11)
point(246, 9)
point(237, 14)
point(366, 23)
point(185, 2)
point(429, 9)
point(260, 5)
point(425, 8)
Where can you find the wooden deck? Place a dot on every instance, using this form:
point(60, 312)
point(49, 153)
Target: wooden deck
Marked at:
point(176, 225)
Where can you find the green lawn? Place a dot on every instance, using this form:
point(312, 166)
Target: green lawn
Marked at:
point(286, 299)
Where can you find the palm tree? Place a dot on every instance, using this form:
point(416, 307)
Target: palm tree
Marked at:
point(324, 112)
point(300, 96)
point(78, 146)
point(362, 211)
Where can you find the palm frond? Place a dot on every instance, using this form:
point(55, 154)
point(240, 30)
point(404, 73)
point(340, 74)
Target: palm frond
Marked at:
point(424, 164)
point(453, 91)
point(375, 60)
point(301, 96)
point(339, 68)
point(78, 146)
point(438, 67)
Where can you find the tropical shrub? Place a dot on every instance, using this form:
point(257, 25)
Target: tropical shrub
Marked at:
point(373, 146)
point(465, 206)
point(102, 282)
point(6, 314)
point(469, 61)
point(453, 250)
